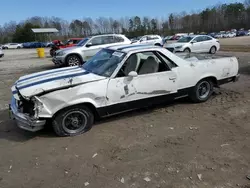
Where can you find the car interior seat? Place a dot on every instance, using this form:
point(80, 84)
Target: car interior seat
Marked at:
point(149, 66)
point(132, 64)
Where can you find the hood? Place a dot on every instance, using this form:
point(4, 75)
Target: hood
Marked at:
point(69, 49)
point(173, 45)
point(48, 81)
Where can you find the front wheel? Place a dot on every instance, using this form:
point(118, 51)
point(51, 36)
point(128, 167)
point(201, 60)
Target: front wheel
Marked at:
point(212, 50)
point(202, 91)
point(73, 121)
point(73, 60)
point(187, 50)
point(52, 52)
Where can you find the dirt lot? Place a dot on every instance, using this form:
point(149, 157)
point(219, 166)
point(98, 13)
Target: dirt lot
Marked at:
point(181, 145)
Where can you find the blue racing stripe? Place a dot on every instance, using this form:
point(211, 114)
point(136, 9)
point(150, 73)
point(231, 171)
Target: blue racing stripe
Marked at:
point(46, 73)
point(53, 79)
point(133, 46)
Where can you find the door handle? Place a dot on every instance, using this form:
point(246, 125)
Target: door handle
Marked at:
point(172, 78)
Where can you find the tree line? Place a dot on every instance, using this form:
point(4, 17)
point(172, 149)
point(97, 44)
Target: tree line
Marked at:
point(212, 19)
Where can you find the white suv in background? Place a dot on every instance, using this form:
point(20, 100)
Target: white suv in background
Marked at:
point(12, 46)
point(151, 40)
point(87, 48)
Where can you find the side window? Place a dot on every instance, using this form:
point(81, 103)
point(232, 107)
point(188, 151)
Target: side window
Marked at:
point(108, 40)
point(199, 39)
point(150, 38)
point(143, 39)
point(118, 39)
point(169, 62)
point(143, 63)
point(96, 41)
point(206, 38)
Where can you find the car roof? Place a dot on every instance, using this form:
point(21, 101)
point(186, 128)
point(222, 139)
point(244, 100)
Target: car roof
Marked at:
point(132, 47)
point(105, 35)
point(76, 38)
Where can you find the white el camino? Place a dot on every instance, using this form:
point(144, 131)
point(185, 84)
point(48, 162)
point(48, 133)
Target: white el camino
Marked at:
point(116, 79)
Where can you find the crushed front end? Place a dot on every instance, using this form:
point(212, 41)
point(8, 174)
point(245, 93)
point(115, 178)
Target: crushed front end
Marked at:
point(24, 112)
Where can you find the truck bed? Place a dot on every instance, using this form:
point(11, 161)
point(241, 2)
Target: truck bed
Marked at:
point(200, 56)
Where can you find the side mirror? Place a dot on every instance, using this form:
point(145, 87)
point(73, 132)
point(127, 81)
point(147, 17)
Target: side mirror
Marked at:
point(194, 41)
point(88, 45)
point(132, 74)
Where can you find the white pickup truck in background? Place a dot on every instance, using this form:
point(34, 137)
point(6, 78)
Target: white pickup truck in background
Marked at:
point(117, 79)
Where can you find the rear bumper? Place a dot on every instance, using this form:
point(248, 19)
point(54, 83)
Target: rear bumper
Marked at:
point(23, 121)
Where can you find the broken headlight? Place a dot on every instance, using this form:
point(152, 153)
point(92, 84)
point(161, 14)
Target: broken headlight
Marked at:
point(38, 105)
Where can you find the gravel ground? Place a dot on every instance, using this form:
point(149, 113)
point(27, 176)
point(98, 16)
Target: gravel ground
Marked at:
point(175, 146)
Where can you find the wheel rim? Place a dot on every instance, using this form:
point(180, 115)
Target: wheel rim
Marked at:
point(73, 61)
point(74, 122)
point(203, 90)
point(186, 51)
point(213, 50)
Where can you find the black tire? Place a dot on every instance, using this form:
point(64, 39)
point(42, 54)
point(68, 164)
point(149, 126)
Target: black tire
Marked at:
point(213, 50)
point(18, 47)
point(52, 51)
point(195, 94)
point(73, 60)
point(157, 44)
point(63, 117)
point(187, 50)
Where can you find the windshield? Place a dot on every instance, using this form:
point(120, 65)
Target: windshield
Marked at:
point(185, 39)
point(104, 62)
point(82, 42)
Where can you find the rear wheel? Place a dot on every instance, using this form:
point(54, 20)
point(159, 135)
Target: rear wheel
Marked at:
point(212, 50)
point(18, 47)
point(202, 91)
point(73, 60)
point(73, 121)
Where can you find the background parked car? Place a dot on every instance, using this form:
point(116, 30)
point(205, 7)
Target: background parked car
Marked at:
point(12, 46)
point(230, 34)
point(87, 48)
point(221, 34)
point(1, 53)
point(57, 44)
point(150, 39)
point(195, 43)
point(241, 33)
point(34, 45)
point(212, 34)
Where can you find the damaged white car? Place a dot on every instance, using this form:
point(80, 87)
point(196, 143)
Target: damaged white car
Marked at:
point(116, 79)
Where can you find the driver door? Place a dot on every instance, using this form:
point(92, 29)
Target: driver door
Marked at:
point(145, 86)
point(196, 46)
point(95, 45)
